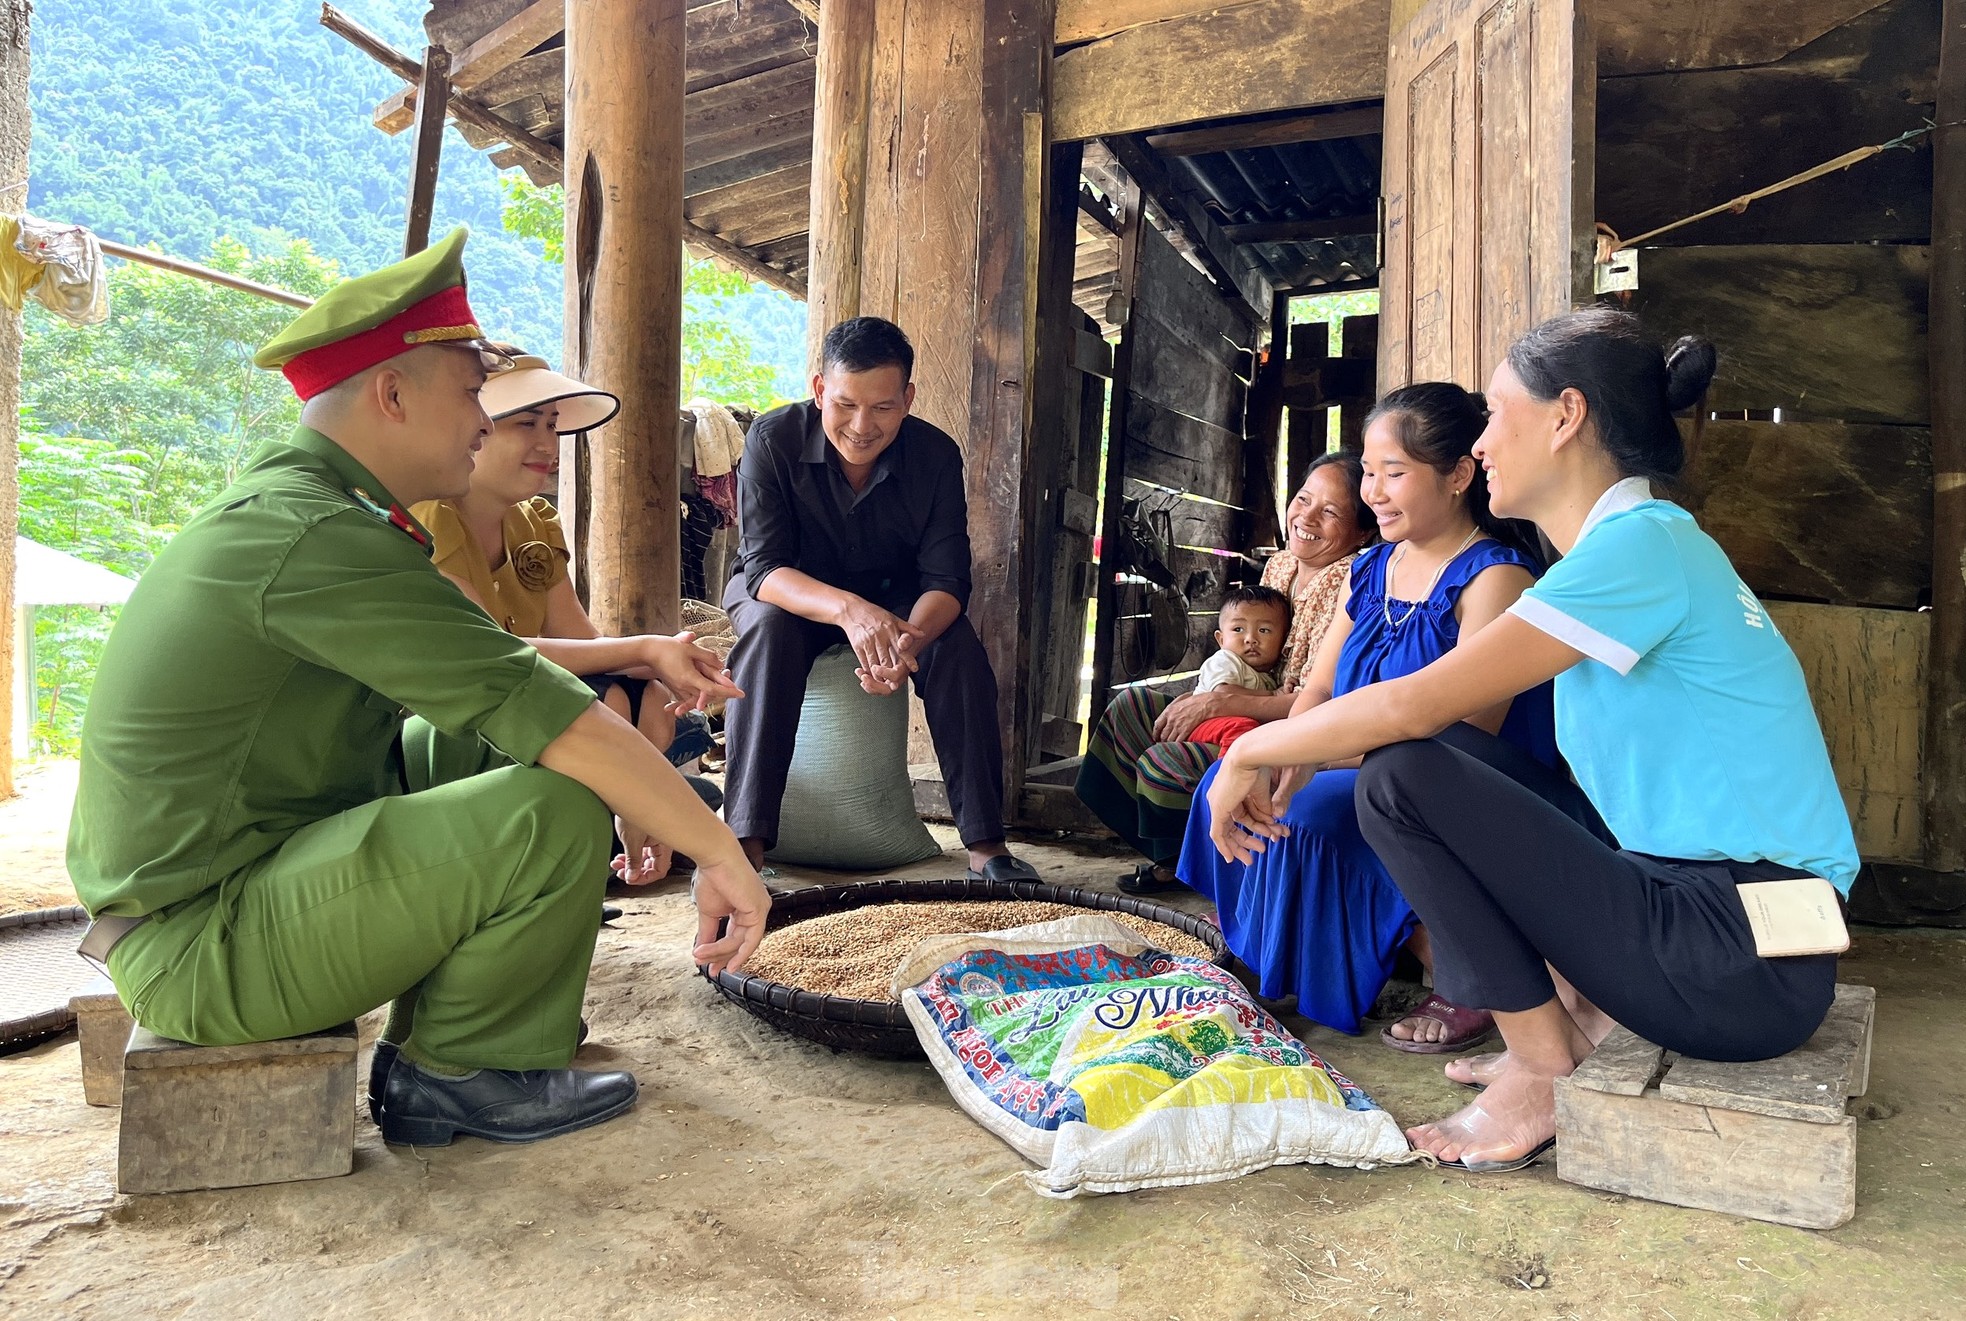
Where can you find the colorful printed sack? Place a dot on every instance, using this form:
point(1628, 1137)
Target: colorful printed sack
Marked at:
point(1117, 1066)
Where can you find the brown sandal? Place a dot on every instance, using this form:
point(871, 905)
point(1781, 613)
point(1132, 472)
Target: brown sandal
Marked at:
point(1466, 1028)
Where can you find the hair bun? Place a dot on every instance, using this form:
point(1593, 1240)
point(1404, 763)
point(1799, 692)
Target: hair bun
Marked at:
point(1478, 401)
point(1690, 365)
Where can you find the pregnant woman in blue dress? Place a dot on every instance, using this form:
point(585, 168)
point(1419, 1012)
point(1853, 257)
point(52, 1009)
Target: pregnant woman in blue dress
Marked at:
point(1317, 915)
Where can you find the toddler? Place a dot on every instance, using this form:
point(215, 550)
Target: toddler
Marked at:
point(1250, 632)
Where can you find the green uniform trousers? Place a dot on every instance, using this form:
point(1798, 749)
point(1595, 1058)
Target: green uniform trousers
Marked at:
point(471, 903)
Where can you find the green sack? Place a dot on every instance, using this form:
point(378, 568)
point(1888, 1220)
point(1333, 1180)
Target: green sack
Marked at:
point(848, 801)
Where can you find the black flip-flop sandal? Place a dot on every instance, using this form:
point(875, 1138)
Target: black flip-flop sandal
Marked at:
point(1503, 1166)
point(1142, 880)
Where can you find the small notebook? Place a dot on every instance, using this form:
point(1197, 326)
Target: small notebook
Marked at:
point(1793, 917)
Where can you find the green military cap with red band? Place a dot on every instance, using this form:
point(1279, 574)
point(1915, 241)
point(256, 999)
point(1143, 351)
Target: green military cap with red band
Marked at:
point(371, 318)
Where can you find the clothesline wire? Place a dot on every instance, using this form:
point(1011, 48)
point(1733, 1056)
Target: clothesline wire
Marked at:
point(1609, 243)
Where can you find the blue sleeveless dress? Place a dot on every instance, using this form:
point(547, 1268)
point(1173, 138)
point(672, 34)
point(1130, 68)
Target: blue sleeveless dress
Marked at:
point(1317, 915)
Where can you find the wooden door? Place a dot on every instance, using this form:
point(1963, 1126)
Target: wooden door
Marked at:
point(1488, 183)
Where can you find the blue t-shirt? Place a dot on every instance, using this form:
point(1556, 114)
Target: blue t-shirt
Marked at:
point(1690, 725)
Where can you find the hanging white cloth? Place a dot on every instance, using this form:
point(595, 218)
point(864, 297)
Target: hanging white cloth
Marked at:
point(73, 284)
point(719, 440)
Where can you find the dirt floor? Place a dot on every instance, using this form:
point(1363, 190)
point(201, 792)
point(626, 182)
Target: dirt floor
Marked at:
point(761, 1176)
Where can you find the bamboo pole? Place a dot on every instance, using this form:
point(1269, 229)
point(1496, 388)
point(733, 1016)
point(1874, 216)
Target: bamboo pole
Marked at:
point(624, 240)
point(205, 273)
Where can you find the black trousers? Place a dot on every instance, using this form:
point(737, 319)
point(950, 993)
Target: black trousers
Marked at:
point(771, 662)
point(1506, 884)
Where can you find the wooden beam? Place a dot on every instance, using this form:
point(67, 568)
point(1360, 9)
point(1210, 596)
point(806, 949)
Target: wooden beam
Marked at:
point(1335, 287)
point(624, 307)
point(1233, 276)
point(428, 150)
point(542, 152)
point(1100, 213)
point(1231, 60)
point(839, 167)
point(1325, 126)
point(490, 54)
point(809, 11)
point(518, 36)
point(1087, 20)
point(1945, 727)
point(1302, 231)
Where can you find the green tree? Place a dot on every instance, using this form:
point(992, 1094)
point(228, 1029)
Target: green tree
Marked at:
point(81, 496)
point(722, 359)
point(169, 377)
point(129, 427)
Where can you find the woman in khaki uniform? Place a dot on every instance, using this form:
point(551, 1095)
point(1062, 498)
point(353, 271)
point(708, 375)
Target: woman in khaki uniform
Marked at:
point(502, 544)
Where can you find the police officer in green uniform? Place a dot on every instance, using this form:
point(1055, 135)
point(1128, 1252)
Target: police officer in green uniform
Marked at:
point(269, 847)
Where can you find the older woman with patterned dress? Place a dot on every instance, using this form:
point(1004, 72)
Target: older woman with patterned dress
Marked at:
point(1140, 772)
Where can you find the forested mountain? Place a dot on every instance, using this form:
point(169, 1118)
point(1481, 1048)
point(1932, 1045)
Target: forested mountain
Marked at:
point(179, 122)
point(237, 133)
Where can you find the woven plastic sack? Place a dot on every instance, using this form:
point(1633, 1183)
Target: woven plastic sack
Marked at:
point(1118, 1066)
point(848, 800)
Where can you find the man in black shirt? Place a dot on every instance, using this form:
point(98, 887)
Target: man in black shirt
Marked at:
point(854, 529)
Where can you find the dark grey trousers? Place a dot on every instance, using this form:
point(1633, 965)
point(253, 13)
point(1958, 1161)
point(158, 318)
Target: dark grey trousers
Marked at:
point(771, 662)
point(1507, 883)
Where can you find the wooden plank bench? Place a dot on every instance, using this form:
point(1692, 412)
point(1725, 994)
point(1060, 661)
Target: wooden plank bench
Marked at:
point(104, 1027)
point(227, 1116)
point(1770, 1140)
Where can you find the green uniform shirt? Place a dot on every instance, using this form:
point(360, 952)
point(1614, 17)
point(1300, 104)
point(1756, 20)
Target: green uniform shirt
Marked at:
point(259, 675)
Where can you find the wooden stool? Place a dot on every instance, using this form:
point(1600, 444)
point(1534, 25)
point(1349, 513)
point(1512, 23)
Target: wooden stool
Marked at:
point(104, 1026)
point(226, 1116)
point(1769, 1140)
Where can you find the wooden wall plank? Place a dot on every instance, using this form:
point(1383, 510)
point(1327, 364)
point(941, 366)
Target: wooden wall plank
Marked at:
point(1170, 373)
point(1645, 36)
point(1170, 449)
point(1830, 331)
point(1087, 20)
point(1674, 144)
point(1227, 61)
point(1866, 674)
point(1821, 511)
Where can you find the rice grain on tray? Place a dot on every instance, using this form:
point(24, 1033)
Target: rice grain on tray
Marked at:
point(854, 954)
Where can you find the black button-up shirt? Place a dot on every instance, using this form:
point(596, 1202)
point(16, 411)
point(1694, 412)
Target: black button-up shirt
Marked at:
point(905, 533)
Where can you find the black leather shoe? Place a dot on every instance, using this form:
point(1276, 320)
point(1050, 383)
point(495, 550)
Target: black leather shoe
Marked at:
point(609, 912)
point(424, 1109)
point(385, 1056)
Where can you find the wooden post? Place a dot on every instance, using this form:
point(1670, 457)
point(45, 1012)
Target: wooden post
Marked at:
point(1105, 622)
point(1945, 713)
point(432, 96)
point(624, 272)
point(13, 200)
point(1265, 431)
point(1016, 55)
point(839, 167)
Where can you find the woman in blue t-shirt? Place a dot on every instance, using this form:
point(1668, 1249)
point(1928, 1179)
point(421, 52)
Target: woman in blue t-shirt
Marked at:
point(1682, 712)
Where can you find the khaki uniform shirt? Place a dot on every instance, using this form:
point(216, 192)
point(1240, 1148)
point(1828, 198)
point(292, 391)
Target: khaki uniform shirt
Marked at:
point(534, 562)
point(258, 678)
